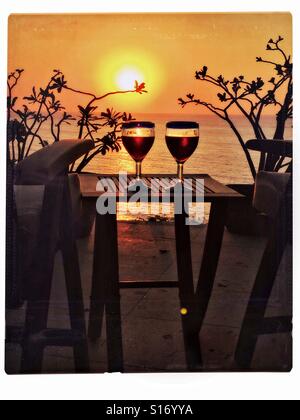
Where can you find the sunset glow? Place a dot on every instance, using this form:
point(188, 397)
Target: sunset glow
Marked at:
point(127, 76)
point(119, 71)
point(101, 53)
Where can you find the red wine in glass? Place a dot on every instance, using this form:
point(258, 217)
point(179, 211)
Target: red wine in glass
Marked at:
point(182, 139)
point(138, 138)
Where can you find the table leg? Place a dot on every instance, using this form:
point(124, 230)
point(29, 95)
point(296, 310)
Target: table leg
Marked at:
point(105, 289)
point(186, 293)
point(211, 253)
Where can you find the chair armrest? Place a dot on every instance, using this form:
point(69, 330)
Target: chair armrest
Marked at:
point(276, 147)
point(46, 164)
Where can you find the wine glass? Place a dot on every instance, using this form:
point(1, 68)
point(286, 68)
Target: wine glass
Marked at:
point(138, 138)
point(182, 138)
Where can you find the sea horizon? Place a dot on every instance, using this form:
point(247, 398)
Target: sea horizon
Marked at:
point(218, 153)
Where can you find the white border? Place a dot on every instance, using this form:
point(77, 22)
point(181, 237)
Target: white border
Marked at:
point(147, 386)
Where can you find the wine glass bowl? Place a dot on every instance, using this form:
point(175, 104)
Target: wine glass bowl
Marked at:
point(182, 139)
point(138, 138)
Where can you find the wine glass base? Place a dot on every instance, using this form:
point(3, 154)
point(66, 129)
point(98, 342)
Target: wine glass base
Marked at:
point(137, 182)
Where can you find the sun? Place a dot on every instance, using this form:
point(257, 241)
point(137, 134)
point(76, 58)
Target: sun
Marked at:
point(126, 77)
point(118, 71)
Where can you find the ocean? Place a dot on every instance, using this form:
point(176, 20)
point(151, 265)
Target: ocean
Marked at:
point(218, 153)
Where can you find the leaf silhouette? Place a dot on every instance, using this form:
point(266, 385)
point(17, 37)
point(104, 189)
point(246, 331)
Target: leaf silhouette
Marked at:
point(140, 88)
point(190, 96)
point(222, 97)
point(201, 73)
point(59, 83)
point(204, 71)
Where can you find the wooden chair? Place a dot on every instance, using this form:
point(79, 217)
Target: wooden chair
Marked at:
point(273, 197)
point(46, 171)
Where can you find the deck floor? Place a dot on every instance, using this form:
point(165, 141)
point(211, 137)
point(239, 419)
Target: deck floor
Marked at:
point(152, 334)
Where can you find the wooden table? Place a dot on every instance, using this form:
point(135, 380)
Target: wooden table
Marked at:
point(106, 285)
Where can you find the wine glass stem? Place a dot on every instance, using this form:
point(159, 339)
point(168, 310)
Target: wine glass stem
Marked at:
point(180, 171)
point(138, 170)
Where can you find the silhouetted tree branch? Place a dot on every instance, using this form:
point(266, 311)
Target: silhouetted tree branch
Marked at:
point(44, 106)
point(251, 98)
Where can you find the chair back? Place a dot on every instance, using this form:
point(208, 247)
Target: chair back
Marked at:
point(41, 187)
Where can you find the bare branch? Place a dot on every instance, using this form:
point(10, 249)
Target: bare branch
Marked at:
point(251, 98)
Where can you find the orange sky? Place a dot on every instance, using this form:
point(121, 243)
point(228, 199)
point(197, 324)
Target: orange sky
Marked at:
point(165, 48)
